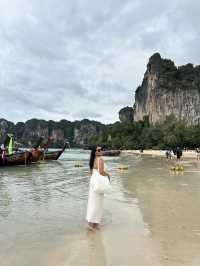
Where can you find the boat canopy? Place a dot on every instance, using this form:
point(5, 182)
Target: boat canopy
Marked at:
point(9, 142)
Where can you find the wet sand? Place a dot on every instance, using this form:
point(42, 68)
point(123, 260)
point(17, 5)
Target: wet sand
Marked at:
point(151, 217)
point(158, 224)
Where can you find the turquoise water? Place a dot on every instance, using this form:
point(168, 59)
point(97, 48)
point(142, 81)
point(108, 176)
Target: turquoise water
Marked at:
point(42, 204)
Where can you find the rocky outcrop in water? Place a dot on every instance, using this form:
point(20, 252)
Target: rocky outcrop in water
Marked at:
point(168, 90)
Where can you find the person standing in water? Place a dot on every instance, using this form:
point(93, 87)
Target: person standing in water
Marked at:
point(95, 200)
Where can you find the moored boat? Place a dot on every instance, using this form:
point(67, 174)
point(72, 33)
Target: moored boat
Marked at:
point(36, 152)
point(36, 155)
point(18, 158)
point(54, 155)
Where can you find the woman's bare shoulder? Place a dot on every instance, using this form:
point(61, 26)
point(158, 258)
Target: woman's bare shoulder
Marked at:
point(101, 160)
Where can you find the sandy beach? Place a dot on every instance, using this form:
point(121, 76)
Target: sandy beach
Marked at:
point(160, 153)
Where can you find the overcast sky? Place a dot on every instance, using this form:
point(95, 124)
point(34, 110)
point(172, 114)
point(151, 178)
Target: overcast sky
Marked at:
point(84, 59)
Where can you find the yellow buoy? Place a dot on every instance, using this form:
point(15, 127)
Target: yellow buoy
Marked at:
point(123, 167)
point(177, 168)
point(78, 164)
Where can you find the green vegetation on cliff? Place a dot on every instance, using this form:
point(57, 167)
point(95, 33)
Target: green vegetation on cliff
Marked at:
point(134, 135)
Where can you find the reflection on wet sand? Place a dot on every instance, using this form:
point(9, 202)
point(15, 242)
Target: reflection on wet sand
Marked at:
point(97, 254)
point(83, 249)
point(107, 247)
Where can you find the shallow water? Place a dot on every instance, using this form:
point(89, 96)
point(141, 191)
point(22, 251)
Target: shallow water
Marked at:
point(151, 217)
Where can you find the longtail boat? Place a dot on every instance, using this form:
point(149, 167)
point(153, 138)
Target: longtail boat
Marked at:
point(36, 152)
point(54, 155)
point(18, 158)
point(36, 155)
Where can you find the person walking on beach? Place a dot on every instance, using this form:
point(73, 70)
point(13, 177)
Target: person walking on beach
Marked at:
point(179, 153)
point(198, 153)
point(95, 200)
point(168, 154)
point(174, 153)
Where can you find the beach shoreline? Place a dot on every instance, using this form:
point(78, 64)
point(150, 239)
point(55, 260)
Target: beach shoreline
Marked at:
point(190, 154)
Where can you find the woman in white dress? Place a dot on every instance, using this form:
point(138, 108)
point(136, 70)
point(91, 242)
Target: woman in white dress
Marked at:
point(95, 200)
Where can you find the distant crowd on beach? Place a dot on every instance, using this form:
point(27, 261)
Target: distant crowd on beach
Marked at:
point(173, 153)
point(177, 153)
point(170, 153)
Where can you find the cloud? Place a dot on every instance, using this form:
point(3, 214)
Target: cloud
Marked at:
point(76, 59)
point(84, 113)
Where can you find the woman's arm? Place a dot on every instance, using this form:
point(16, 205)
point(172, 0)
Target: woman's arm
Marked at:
point(101, 169)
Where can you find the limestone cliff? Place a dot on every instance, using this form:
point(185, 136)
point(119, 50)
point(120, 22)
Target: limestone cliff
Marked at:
point(5, 127)
point(168, 90)
point(78, 133)
point(85, 130)
point(126, 115)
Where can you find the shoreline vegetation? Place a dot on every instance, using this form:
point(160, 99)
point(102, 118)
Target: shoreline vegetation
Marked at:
point(142, 135)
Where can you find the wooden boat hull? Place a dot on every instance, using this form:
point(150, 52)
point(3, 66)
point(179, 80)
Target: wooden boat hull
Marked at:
point(52, 155)
point(22, 157)
point(19, 158)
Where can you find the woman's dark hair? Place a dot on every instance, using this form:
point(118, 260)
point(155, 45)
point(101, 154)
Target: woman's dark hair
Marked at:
point(92, 157)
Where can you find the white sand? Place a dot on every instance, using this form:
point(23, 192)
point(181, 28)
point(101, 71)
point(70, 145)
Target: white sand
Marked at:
point(160, 153)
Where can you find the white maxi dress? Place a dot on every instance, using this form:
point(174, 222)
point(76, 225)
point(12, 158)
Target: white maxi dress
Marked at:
point(95, 202)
